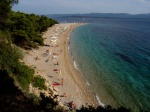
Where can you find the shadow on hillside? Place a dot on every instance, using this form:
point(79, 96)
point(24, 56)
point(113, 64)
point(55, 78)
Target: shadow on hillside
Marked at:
point(11, 98)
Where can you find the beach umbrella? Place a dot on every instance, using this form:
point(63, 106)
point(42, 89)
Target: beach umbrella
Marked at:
point(60, 73)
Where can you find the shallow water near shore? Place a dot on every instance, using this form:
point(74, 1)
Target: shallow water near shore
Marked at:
point(114, 57)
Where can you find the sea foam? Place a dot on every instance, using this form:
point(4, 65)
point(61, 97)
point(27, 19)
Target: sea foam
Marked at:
point(99, 101)
point(75, 65)
point(87, 83)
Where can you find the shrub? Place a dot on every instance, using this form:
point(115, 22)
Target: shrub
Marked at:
point(39, 40)
point(5, 35)
point(38, 81)
point(24, 75)
point(19, 52)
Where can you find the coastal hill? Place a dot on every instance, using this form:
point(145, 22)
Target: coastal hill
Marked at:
point(100, 15)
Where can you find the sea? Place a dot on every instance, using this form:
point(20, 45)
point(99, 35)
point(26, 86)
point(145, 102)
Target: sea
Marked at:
point(114, 57)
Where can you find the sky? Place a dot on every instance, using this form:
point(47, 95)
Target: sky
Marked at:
point(82, 6)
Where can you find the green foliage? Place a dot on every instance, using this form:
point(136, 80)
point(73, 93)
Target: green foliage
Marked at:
point(26, 29)
point(11, 98)
point(19, 52)
point(39, 82)
point(14, 2)
point(45, 22)
point(24, 75)
point(33, 44)
point(5, 35)
point(5, 9)
point(20, 38)
point(9, 61)
point(39, 40)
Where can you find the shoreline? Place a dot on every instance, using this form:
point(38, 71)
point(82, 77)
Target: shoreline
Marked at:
point(94, 98)
point(55, 65)
point(80, 80)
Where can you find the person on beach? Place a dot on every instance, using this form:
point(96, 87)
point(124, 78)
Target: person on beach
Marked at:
point(72, 104)
point(64, 95)
point(62, 81)
point(37, 58)
point(47, 52)
point(37, 48)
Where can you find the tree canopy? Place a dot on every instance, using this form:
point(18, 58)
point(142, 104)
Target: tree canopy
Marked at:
point(14, 2)
point(26, 29)
point(5, 9)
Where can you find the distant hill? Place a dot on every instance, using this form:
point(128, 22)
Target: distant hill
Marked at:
point(101, 15)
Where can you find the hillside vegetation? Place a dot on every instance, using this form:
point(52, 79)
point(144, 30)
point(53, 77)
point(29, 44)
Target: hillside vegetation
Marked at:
point(26, 29)
point(20, 30)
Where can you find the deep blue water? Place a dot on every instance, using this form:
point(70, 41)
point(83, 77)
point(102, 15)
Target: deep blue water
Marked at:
point(114, 57)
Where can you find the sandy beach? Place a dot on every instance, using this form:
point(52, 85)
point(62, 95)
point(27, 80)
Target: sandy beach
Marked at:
point(53, 62)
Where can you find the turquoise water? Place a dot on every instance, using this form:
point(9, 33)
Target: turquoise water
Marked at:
point(114, 57)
